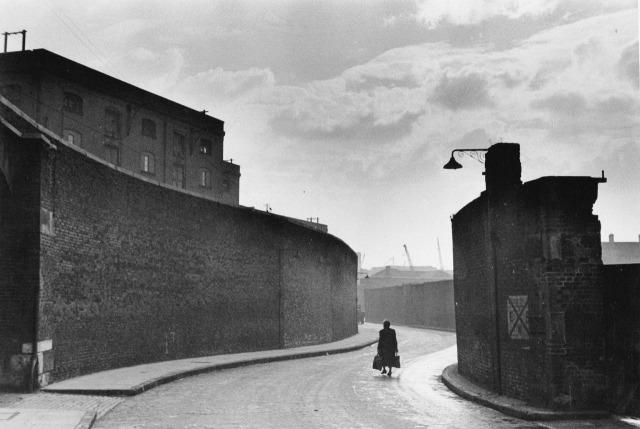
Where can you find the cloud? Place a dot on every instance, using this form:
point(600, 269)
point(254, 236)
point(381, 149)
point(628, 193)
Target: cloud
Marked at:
point(370, 83)
point(628, 66)
point(216, 88)
point(230, 84)
point(469, 12)
point(363, 129)
point(547, 72)
point(509, 80)
point(572, 115)
point(565, 104)
point(465, 92)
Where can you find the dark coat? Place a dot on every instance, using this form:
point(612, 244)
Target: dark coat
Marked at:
point(387, 345)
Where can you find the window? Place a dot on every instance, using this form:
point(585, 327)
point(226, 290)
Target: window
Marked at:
point(178, 176)
point(148, 128)
point(205, 178)
point(46, 221)
point(148, 163)
point(112, 154)
point(12, 93)
point(179, 145)
point(226, 185)
point(112, 123)
point(206, 147)
point(72, 103)
point(73, 137)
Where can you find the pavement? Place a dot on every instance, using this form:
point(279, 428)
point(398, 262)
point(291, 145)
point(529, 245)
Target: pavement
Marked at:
point(510, 406)
point(78, 402)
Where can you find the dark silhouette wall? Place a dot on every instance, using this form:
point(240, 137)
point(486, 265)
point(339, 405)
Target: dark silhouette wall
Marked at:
point(123, 271)
point(528, 287)
point(622, 321)
point(428, 305)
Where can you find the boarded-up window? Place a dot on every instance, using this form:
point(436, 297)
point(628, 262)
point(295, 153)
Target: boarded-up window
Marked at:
point(112, 123)
point(148, 128)
point(178, 176)
point(112, 154)
point(179, 145)
point(73, 103)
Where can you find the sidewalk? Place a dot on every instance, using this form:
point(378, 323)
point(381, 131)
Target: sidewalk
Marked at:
point(78, 402)
point(510, 406)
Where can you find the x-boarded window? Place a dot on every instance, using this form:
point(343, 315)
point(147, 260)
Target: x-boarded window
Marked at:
point(148, 163)
point(148, 128)
point(112, 123)
point(179, 145)
point(206, 147)
point(205, 178)
point(178, 176)
point(73, 103)
point(112, 154)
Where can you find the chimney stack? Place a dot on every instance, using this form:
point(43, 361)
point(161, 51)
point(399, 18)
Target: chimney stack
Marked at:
point(611, 238)
point(502, 167)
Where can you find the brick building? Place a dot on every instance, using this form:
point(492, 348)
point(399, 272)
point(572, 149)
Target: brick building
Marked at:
point(528, 280)
point(104, 266)
point(120, 123)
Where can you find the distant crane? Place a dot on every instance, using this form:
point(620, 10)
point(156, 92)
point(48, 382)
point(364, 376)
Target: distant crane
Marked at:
point(408, 257)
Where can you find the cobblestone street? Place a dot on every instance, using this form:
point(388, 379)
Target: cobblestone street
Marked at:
point(337, 391)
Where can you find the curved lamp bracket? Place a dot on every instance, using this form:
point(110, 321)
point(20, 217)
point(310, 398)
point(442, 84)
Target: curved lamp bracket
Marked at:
point(477, 154)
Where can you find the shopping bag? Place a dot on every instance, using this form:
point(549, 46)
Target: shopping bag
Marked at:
point(377, 362)
point(396, 361)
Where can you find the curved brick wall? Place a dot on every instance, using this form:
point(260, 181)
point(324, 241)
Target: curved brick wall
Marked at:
point(136, 272)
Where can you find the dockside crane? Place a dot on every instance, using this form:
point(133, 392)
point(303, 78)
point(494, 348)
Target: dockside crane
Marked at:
point(408, 257)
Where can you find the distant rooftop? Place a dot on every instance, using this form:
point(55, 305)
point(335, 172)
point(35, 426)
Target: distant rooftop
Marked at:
point(407, 272)
point(620, 252)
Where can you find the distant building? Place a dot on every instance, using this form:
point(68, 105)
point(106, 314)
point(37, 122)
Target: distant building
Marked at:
point(120, 123)
point(396, 276)
point(614, 253)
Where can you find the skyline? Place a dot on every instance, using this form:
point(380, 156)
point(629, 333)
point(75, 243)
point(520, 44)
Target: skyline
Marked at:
point(347, 111)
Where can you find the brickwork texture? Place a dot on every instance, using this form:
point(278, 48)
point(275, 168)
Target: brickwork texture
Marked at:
point(622, 322)
point(528, 287)
point(428, 305)
point(129, 272)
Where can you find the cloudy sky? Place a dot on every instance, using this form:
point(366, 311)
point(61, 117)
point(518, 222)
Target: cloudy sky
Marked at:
point(347, 110)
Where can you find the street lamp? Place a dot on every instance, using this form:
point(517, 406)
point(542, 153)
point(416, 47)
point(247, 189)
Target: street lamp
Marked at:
point(477, 154)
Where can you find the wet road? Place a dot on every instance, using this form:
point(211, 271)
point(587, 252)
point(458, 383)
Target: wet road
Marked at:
point(337, 391)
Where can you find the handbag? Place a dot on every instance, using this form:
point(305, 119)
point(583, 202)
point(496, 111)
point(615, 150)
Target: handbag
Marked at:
point(377, 362)
point(396, 361)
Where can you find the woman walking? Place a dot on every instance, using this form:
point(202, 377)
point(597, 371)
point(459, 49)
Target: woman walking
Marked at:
point(387, 346)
